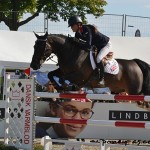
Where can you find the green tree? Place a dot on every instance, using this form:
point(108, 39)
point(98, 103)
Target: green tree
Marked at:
point(11, 11)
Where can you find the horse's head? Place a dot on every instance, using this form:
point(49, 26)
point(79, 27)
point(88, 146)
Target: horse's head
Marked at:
point(44, 46)
point(42, 50)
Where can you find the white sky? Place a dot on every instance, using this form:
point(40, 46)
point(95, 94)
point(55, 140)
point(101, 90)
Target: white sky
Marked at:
point(128, 7)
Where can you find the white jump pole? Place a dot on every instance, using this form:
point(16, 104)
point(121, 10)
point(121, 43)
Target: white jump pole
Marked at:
point(94, 96)
point(109, 123)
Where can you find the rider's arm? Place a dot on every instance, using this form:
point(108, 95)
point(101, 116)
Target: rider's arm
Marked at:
point(85, 37)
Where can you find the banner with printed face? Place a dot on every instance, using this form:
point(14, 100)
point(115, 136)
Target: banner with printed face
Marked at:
point(113, 112)
point(93, 120)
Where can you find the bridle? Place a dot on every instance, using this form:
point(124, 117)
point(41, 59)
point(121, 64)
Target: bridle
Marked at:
point(47, 48)
point(46, 56)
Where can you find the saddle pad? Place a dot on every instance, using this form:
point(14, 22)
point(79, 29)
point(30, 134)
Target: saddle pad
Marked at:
point(111, 66)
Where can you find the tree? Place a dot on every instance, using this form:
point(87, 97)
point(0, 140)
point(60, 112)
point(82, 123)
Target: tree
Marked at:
point(56, 9)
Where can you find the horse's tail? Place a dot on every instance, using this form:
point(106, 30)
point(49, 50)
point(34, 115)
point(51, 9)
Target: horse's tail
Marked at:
point(145, 67)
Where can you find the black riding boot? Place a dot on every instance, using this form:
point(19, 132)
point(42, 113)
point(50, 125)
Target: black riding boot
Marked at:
point(100, 68)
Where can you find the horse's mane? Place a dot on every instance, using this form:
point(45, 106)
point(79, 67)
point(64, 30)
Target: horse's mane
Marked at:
point(68, 39)
point(58, 38)
point(58, 35)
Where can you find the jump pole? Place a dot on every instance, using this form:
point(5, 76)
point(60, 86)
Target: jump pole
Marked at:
point(94, 96)
point(94, 122)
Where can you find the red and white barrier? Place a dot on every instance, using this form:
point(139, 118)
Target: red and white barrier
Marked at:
point(94, 122)
point(94, 96)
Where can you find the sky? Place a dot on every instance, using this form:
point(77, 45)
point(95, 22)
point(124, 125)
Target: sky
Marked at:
point(128, 7)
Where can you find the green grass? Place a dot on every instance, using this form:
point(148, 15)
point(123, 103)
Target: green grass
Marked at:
point(4, 147)
point(38, 147)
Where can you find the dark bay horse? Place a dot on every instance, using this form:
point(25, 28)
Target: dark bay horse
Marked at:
point(74, 65)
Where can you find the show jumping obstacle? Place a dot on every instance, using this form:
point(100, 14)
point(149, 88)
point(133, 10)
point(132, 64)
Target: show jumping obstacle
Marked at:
point(20, 118)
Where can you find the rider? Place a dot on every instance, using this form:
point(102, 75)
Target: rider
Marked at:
point(92, 37)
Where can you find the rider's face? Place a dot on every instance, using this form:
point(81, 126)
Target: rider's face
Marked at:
point(74, 28)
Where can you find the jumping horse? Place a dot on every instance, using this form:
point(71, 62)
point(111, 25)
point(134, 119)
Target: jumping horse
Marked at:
point(75, 65)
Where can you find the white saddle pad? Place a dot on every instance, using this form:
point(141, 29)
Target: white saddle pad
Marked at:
point(111, 66)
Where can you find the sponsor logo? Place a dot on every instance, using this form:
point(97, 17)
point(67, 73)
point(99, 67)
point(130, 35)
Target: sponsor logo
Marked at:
point(129, 115)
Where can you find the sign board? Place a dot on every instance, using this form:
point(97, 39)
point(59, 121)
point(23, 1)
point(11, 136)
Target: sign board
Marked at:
point(122, 111)
point(20, 114)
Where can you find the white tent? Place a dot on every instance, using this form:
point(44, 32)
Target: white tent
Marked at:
point(17, 46)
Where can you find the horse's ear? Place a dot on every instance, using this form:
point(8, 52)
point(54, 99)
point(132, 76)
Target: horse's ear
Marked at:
point(46, 34)
point(36, 35)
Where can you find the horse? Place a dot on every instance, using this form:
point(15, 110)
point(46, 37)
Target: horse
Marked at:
point(75, 65)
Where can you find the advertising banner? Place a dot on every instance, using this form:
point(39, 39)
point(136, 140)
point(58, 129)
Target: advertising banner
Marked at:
point(96, 127)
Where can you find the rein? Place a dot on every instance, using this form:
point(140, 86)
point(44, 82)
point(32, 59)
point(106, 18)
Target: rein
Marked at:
point(51, 56)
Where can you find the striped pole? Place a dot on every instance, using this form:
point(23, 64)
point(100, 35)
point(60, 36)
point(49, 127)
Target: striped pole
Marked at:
point(94, 96)
point(109, 123)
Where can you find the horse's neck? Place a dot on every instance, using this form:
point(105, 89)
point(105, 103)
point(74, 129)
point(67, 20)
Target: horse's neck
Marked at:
point(68, 53)
point(70, 56)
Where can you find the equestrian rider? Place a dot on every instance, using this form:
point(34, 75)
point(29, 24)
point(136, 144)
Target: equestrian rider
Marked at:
point(92, 37)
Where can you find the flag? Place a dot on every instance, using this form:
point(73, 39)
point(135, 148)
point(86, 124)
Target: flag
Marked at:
point(27, 71)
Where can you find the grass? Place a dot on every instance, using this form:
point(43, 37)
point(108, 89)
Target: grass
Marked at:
point(38, 147)
point(4, 147)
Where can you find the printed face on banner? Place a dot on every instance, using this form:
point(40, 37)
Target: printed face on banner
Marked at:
point(68, 110)
point(71, 110)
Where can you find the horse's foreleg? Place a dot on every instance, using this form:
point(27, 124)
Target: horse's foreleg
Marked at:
point(57, 79)
point(53, 75)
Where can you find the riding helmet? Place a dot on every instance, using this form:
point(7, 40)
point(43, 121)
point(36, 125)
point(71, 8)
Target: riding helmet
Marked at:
point(73, 20)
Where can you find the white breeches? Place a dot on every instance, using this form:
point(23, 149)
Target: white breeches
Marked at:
point(103, 52)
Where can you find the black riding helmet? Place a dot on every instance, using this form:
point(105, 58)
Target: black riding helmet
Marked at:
point(73, 20)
